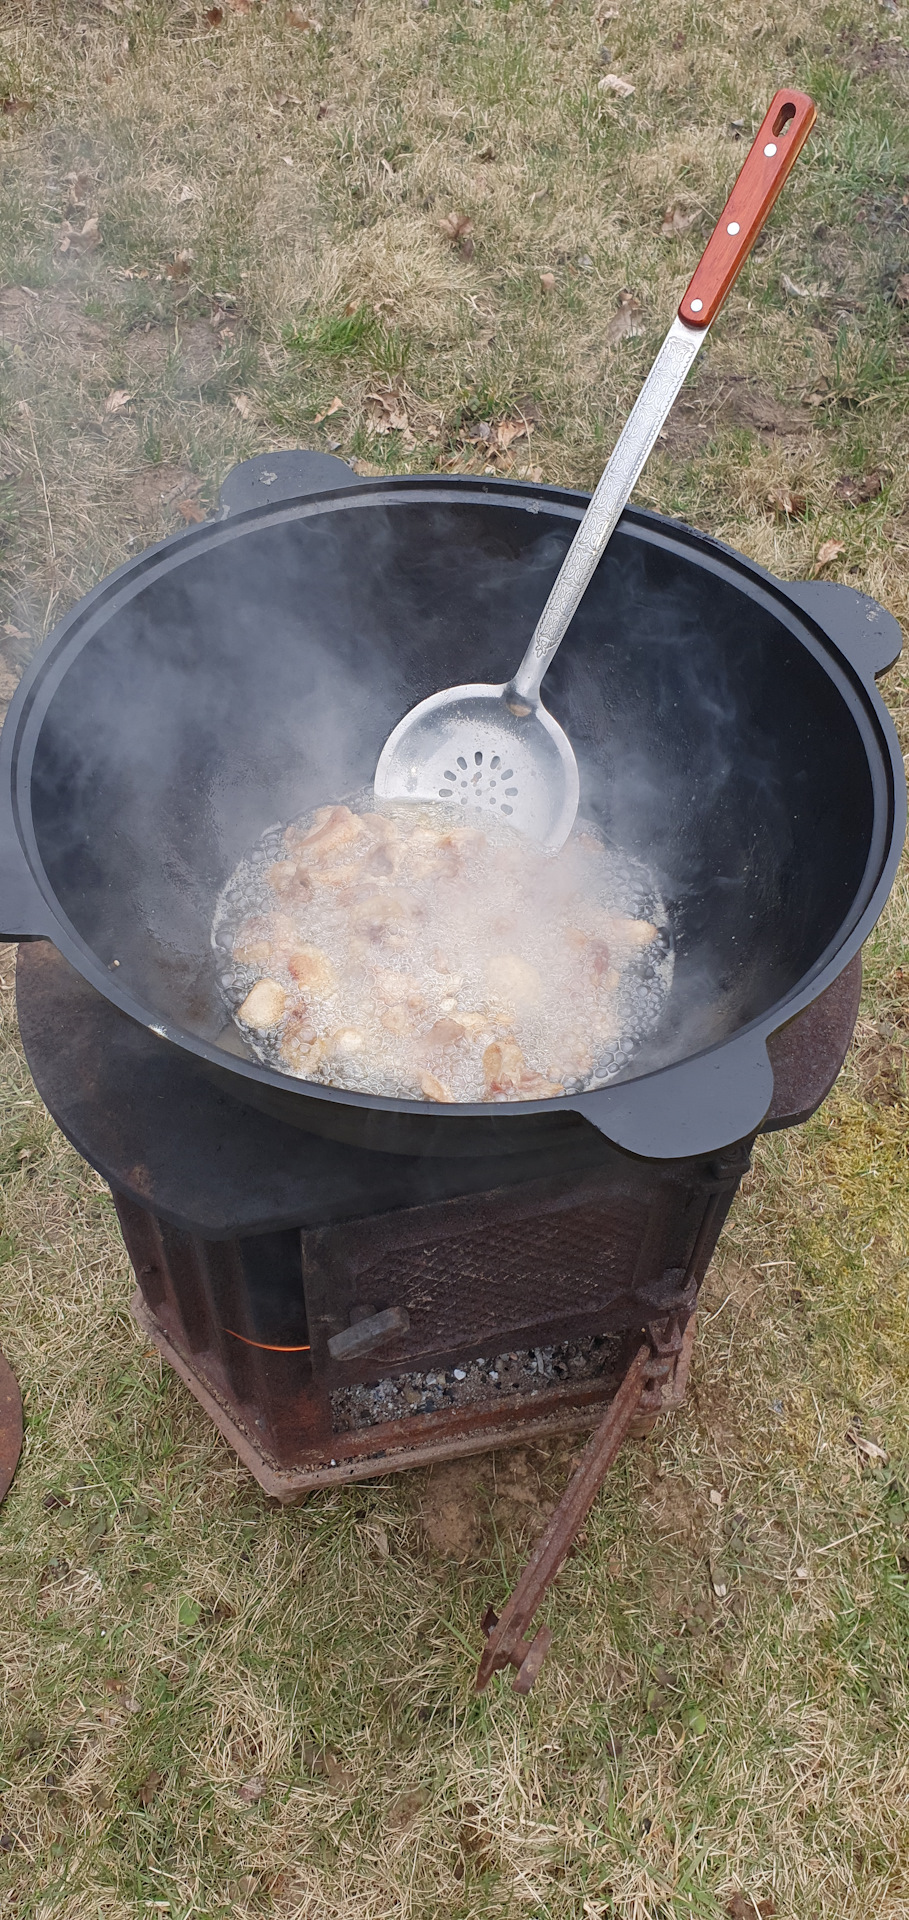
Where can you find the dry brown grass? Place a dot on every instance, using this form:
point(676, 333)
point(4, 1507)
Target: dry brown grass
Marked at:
point(171, 1640)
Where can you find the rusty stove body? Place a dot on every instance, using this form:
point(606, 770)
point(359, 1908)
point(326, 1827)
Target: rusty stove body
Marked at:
point(276, 1269)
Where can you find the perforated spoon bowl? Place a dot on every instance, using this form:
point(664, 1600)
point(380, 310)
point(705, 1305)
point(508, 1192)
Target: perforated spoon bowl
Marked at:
point(497, 747)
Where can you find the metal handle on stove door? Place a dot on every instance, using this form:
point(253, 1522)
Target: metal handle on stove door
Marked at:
point(287, 475)
point(860, 627)
point(699, 1106)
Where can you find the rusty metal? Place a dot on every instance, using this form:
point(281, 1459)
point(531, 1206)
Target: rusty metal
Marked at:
point(255, 1245)
point(10, 1425)
point(507, 1642)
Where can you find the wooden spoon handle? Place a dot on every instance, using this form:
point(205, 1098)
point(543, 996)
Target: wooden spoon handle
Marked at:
point(781, 137)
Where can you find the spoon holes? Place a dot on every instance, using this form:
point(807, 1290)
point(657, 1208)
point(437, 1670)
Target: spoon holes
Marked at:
point(509, 775)
point(478, 759)
point(444, 793)
point(452, 777)
point(511, 791)
point(495, 762)
point(462, 763)
point(506, 809)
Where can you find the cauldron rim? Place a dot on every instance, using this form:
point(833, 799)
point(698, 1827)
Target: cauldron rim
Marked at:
point(644, 1114)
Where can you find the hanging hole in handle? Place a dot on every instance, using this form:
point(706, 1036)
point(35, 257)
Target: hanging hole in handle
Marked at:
point(784, 119)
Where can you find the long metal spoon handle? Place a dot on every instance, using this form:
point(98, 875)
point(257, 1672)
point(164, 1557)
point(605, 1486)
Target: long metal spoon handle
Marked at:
point(779, 140)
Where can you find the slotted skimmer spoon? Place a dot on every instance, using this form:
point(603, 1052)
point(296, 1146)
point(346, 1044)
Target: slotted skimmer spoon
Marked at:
point(497, 746)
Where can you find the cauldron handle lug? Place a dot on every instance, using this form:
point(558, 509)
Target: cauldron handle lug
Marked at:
point(24, 913)
point(699, 1106)
point(863, 630)
point(287, 475)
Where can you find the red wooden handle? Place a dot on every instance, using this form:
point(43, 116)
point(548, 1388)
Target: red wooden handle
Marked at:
point(780, 140)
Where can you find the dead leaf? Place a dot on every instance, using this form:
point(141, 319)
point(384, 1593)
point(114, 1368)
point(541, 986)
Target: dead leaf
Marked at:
point(830, 550)
point(304, 23)
point(901, 291)
point(253, 1790)
point(243, 405)
point(785, 505)
point(742, 1907)
point(146, 1793)
point(624, 323)
point(240, 6)
point(855, 489)
point(84, 241)
point(458, 228)
point(214, 16)
point(11, 103)
point(386, 413)
point(337, 406)
point(802, 293)
point(191, 512)
point(79, 185)
point(486, 153)
point(613, 83)
point(179, 266)
point(14, 633)
point(869, 1448)
point(678, 219)
point(547, 282)
point(118, 401)
point(407, 1807)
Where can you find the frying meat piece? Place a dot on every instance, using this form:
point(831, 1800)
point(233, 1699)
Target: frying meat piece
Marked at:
point(332, 829)
point(514, 981)
point(346, 1040)
point(399, 989)
point(264, 1005)
point(446, 1033)
point(313, 971)
point(301, 1047)
point(288, 881)
point(503, 1065)
point(398, 1020)
point(433, 1089)
point(379, 914)
point(627, 933)
point(262, 934)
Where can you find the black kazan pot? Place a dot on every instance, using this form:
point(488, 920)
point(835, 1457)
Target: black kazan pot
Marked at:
point(726, 723)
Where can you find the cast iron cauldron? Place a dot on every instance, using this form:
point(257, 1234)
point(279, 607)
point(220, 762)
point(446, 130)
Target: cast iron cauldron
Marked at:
point(727, 727)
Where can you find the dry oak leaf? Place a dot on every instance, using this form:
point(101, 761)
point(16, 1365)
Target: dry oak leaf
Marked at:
point(901, 291)
point(253, 1790)
point(118, 401)
point(191, 512)
point(869, 1448)
point(84, 241)
point(786, 505)
point(240, 6)
point(386, 413)
point(613, 83)
point(304, 23)
point(830, 550)
point(458, 227)
point(742, 1907)
point(213, 16)
point(179, 266)
point(243, 405)
point(624, 323)
point(855, 489)
point(145, 1793)
point(677, 219)
point(11, 103)
point(337, 406)
point(547, 282)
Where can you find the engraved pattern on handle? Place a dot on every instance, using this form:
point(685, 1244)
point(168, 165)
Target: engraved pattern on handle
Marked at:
point(631, 451)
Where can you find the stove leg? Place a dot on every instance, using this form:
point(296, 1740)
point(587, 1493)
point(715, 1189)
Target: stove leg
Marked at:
point(640, 1393)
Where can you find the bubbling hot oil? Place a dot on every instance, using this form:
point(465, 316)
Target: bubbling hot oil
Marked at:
point(403, 953)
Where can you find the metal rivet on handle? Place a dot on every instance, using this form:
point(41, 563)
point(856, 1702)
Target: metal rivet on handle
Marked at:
point(770, 151)
point(733, 227)
point(696, 306)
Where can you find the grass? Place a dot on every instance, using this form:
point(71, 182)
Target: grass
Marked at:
point(213, 1707)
